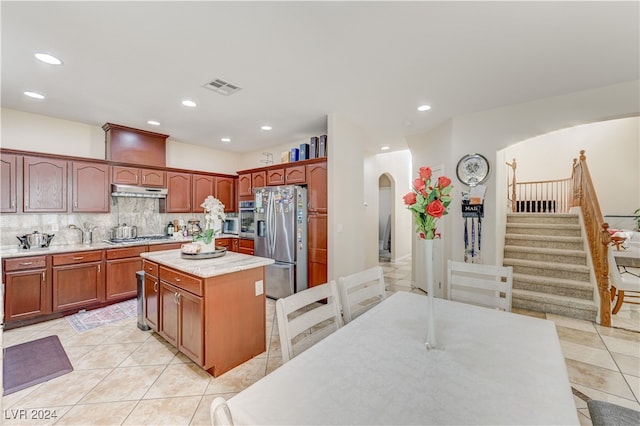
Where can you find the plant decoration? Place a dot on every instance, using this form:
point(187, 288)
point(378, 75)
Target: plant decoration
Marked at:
point(636, 217)
point(428, 202)
point(213, 215)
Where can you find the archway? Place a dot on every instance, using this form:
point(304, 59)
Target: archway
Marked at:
point(386, 217)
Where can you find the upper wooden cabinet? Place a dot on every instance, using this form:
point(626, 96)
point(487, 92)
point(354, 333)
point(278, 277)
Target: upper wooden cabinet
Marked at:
point(258, 180)
point(317, 187)
point(225, 192)
point(203, 186)
point(179, 199)
point(45, 185)
point(90, 187)
point(8, 184)
point(129, 145)
point(275, 177)
point(248, 181)
point(295, 175)
point(136, 176)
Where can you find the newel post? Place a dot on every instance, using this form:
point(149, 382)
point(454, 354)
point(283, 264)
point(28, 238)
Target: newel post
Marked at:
point(602, 273)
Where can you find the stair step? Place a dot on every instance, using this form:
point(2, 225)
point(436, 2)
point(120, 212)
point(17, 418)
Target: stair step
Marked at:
point(544, 229)
point(556, 286)
point(566, 218)
point(550, 241)
point(559, 305)
point(548, 255)
point(547, 269)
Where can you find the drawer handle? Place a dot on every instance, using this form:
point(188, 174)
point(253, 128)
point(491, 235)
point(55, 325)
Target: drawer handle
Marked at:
point(43, 277)
point(26, 263)
point(155, 286)
point(177, 279)
point(78, 258)
point(150, 268)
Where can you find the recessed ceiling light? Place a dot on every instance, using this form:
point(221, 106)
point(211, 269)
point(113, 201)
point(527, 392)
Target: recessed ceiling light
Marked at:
point(45, 57)
point(266, 127)
point(385, 148)
point(225, 139)
point(424, 108)
point(189, 103)
point(153, 122)
point(34, 95)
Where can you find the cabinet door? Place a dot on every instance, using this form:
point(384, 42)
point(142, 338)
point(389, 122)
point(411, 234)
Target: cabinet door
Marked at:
point(224, 242)
point(168, 327)
point(317, 249)
point(191, 323)
point(90, 187)
point(151, 177)
point(27, 294)
point(77, 285)
point(179, 197)
point(234, 245)
point(126, 175)
point(244, 185)
point(295, 175)
point(151, 300)
point(317, 187)
point(203, 186)
point(275, 177)
point(8, 184)
point(121, 280)
point(258, 180)
point(225, 193)
point(245, 246)
point(45, 185)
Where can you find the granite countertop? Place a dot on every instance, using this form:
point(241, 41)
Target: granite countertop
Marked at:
point(206, 268)
point(15, 251)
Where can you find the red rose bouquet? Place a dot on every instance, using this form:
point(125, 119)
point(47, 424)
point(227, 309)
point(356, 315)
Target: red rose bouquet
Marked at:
point(428, 202)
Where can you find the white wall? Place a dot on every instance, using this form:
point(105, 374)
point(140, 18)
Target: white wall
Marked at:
point(612, 149)
point(488, 132)
point(196, 157)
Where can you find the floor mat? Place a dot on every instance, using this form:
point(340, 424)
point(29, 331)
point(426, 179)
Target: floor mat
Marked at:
point(34, 362)
point(85, 321)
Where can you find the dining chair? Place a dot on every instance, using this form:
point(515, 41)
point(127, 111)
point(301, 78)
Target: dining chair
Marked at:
point(622, 288)
point(605, 413)
point(220, 413)
point(307, 317)
point(361, 291)
point(478, 284)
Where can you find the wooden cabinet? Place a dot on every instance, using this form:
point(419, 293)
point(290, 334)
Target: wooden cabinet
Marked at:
point(165, 246)
point(295, 175)
point(78, 280)
point(203, 186)
point(90, 183)
point(248, 181)
point(8, 183)
point(179, 199)
point(27, 288)
point(245, 246)
point(151, 294)
point(225, 192)
point(182, 313)
point(45, 185)
point(317, 223)
point(231, 244)
point(129, 145)
point(120, 276)
point(275, 177)
point(136, 176)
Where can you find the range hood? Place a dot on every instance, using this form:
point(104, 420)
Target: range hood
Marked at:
point(118, 190)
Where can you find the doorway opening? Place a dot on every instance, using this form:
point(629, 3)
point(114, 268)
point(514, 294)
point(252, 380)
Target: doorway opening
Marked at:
point(385, 217)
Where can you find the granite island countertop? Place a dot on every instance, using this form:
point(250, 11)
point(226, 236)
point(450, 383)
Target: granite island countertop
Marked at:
point(206, 268)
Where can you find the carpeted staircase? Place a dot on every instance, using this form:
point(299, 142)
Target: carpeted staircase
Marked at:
point(550, 269)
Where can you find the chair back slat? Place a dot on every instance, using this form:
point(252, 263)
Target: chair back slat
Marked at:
point(484, 285)
point(361, 291)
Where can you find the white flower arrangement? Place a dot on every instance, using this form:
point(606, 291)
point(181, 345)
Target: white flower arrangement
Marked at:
point(213, 212)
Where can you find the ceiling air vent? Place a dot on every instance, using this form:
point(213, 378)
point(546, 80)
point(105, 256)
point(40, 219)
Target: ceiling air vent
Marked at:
point(222, 87)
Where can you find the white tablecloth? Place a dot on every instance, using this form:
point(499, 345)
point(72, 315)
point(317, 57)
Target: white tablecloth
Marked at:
point(495, 368)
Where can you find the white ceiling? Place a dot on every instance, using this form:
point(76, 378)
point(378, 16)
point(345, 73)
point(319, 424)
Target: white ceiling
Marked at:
point(370, 62)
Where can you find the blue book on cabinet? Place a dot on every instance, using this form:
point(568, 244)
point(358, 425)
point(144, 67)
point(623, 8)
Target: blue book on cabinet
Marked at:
point(304, 151)
point(295, 154)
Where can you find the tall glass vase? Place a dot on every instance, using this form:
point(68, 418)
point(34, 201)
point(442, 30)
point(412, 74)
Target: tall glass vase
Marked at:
point(431, 341)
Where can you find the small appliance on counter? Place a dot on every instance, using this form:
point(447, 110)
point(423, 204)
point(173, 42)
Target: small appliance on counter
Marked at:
point(231, 226)
point(35, 240)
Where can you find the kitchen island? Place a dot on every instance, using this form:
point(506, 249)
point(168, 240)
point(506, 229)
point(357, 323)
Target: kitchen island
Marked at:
point(212, 310)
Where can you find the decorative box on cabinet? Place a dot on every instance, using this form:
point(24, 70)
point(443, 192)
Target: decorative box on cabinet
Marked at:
point(27, 288)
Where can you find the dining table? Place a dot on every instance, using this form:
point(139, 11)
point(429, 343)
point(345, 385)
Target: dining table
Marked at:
point(492, 367)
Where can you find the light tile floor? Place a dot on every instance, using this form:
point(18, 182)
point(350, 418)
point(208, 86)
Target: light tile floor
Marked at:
point(126, 376)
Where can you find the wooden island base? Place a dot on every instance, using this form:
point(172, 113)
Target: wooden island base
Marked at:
point(212, 310)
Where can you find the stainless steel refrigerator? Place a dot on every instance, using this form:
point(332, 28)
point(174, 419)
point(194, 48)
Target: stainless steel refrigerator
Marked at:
point(281, 234)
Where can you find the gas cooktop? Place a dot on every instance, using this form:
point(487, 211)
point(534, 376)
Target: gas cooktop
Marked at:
point(140, 239)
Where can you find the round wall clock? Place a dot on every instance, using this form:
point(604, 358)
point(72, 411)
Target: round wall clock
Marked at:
point(472, 169)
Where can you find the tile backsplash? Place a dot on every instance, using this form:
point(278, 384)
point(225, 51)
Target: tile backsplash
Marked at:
point(141, 212)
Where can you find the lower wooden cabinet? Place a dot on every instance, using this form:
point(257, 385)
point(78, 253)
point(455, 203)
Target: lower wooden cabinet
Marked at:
point(27, 288)
point(231, 244)
point(151, 294)
point(182, 320)
point(78, 280)
point(121, 267)
point(246, 246)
